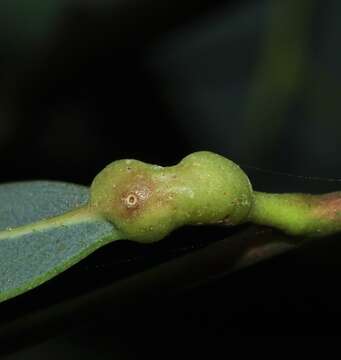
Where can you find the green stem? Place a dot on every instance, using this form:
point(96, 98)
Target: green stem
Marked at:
point(298, 214)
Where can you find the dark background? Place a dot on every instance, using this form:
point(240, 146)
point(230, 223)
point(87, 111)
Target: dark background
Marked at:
point(83, 83)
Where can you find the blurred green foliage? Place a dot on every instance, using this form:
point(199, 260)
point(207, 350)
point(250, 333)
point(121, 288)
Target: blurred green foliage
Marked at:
point(26, 23)
point(282, 71)
point(258, 82)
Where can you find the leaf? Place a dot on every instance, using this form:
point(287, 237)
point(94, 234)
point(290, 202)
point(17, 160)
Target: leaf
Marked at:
point(22, 203)
point(32, 252)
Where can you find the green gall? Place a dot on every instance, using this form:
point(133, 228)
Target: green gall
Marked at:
point(146, 202)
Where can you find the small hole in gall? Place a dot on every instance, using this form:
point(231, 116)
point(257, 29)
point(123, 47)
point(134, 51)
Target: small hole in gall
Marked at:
point(131, 200)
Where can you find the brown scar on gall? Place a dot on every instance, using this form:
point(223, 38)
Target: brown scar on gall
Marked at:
point(137, 189)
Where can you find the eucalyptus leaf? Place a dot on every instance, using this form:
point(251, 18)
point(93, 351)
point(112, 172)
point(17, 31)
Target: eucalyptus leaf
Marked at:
point(22, 203)
point(43, 231)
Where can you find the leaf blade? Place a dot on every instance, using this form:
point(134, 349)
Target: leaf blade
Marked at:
point(25, 202)
point(31, 257)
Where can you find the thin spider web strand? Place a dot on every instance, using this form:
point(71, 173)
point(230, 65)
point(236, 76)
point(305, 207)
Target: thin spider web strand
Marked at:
point(280, 173)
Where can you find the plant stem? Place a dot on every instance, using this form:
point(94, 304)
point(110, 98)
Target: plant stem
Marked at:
point(298, 214)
